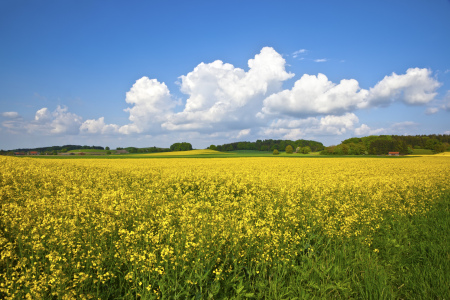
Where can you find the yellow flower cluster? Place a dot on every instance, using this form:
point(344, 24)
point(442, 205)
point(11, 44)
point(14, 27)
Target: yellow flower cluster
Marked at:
point(69, 228)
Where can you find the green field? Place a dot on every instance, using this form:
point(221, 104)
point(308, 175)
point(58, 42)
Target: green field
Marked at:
point(89, 151)
point(422, 152)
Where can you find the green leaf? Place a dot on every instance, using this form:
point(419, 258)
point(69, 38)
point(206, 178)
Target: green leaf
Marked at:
point(240, 288)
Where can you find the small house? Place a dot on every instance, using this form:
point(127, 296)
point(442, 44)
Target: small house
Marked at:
point(394, 153)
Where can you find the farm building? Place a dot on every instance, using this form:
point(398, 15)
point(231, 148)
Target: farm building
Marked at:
point(394, 153)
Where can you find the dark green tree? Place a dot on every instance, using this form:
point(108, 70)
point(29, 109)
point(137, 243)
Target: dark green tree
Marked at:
point(438, 148)
point(181, 146)
point(306, 150)
point(132, 149)
point(431, 143)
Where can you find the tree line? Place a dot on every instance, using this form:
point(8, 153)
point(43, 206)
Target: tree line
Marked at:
point(383, 144)
point(301, 146)
point(50, 150)
point(144, 150)
point(372, 145)
point(269, 145)
point(57, 148)
point(174, 147)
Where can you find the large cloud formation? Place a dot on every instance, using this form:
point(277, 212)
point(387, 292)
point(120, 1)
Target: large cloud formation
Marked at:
point(222, 96)
point(415, 87)
point(316, 95)
point(291, 128)
point(59, 121)
point(229, 101)
point(152, 105)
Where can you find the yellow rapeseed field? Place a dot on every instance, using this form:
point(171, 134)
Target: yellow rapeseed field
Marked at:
point(70, 227)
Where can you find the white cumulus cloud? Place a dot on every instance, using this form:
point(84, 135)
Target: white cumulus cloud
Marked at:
point(64, 121)
point(224, 97)
point(43, 115)
point(290, 128)
point(152, 103)
point(315, 95)
point(364, 130)
point(98, 127)
point(415, 87)
point(60, 121)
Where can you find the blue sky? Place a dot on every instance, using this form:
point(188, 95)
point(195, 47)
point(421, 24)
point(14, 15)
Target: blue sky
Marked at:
point(151, 73)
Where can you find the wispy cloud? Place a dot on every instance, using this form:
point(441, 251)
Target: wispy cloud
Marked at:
point(321, 60)
point(40, 97)
point(243, 132)
point(366, 130)
point(10, 114)
point(431, 110)
point(405, 128)
point(299, 52)
point(446, 101)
